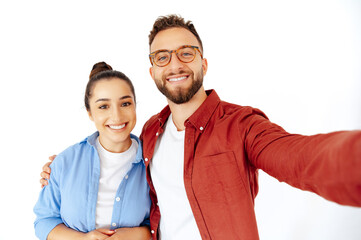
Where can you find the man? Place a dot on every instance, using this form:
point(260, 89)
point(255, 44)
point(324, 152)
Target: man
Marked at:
point(202, 154)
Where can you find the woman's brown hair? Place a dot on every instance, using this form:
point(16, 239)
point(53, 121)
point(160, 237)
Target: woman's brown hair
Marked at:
point(102, 71)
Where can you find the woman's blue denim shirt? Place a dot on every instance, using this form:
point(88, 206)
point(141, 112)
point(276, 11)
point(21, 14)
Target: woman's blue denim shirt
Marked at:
point(71, 195)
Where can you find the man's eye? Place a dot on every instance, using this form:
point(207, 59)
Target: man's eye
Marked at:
point(161, 57)
point(187, 54)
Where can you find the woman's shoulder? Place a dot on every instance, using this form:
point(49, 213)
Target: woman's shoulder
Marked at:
point(77, 151)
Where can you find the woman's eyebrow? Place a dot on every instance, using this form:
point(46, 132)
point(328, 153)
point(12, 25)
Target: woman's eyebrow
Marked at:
point(124, 97)
point(107, 99)
point(102, 100)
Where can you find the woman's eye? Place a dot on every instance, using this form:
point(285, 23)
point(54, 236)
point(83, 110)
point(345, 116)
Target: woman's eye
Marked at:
point(103, 107)
point(126, 104)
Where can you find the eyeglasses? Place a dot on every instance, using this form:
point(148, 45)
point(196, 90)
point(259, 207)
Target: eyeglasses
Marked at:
point(185, 54)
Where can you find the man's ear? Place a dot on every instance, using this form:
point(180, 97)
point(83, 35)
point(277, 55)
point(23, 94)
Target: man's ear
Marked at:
point(151, 72)
point(204, 66)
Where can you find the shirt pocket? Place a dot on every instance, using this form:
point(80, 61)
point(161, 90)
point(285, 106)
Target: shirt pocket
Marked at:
point(222, 197)
point(217, 173)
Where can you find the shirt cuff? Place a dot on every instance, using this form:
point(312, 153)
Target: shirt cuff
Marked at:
point(44, 227)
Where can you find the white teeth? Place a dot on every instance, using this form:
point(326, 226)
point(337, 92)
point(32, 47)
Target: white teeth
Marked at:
point(177, 79)
point(117, 126)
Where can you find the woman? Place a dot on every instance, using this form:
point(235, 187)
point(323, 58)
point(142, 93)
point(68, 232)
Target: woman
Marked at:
point(97, 188)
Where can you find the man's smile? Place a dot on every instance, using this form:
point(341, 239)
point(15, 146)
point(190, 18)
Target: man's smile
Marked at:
point(176, 79)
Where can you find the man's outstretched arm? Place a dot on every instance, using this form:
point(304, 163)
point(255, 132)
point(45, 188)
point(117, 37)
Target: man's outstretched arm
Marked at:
point(326, 164)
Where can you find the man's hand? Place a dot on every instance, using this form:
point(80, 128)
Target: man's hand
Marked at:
point(45, 174)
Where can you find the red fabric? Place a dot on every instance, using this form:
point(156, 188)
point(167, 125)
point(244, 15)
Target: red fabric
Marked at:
point(225, 144)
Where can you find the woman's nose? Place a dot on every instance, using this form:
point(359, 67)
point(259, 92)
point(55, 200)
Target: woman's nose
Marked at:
point(116, 114)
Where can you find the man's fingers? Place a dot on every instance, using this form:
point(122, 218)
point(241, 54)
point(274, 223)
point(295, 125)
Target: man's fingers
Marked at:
point(43, 182)
point(46, 167)
point(45, 175)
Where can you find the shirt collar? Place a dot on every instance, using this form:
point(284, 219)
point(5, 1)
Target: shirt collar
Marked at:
point(163, 116)
point(139, 156)
point(201, 116)
point(91, 140)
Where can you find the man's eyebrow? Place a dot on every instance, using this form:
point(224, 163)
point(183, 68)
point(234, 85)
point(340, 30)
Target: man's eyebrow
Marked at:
point(107, 99)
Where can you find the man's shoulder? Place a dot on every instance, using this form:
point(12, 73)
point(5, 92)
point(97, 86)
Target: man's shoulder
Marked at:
point(227, 108)
point(154, 122)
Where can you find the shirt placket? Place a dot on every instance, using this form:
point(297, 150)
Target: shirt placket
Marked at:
point(118, 201)
point(148, 156)
point(191, 136)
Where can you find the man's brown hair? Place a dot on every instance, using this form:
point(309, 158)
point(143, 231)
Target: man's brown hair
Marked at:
point(172, 21)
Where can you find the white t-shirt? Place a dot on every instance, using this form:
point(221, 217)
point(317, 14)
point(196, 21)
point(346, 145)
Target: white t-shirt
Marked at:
point(113, 168)
point(177, 220)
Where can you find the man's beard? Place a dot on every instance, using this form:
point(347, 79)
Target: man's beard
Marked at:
point(179, 96)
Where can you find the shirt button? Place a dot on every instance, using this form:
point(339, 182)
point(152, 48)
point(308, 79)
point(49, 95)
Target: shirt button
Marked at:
point(114, 224)
point(152, 231)
point(126, 177)
point(201, 128)
point(146, 159)
point(157, 134)
point(117, 199)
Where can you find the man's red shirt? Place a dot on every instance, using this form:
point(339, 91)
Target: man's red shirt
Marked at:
point(226, 144)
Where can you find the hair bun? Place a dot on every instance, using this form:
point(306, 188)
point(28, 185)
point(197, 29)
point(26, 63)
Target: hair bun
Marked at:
point(99, 67)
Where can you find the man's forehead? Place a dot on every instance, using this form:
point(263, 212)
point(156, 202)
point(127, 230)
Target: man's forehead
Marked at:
point(173, 38)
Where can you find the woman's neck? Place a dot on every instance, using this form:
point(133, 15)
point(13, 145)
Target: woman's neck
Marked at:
point(115, 147)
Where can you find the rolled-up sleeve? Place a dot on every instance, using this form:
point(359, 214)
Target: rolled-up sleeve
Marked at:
point(47, 208)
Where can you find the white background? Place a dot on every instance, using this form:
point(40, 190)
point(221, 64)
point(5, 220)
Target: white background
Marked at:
point(298, 61)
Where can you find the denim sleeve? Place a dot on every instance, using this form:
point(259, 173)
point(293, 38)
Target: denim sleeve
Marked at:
point(47, 208)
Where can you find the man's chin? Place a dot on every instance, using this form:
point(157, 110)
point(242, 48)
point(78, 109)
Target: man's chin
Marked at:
point(178, 98)
point(180, 95)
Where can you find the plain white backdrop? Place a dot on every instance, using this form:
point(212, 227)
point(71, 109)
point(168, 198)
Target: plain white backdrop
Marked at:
point(298, 61)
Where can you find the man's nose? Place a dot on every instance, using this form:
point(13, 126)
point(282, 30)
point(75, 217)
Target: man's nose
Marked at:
point(175, 62)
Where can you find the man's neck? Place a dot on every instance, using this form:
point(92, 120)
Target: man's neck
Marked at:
point(182, 112)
